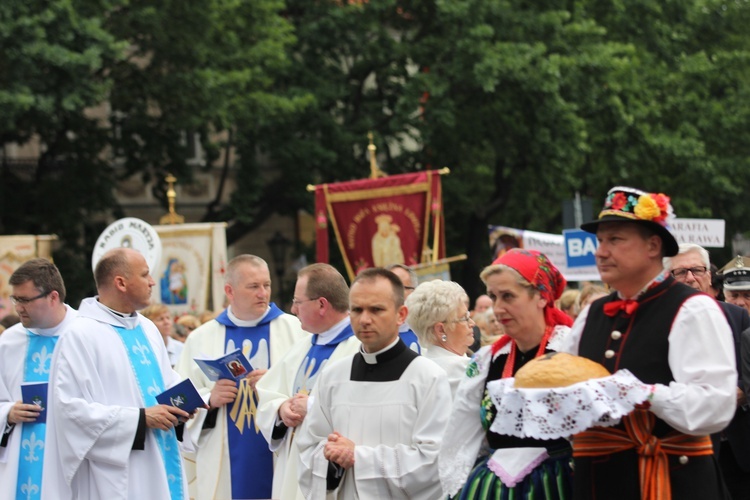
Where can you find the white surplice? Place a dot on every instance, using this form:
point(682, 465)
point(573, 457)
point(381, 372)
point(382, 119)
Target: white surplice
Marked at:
point(397, 428)
point(208, 468)
point(94, 407)
point(13, 345)
point(274, 388)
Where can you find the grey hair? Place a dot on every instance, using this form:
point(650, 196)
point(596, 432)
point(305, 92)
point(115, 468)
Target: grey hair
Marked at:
point(433, 302)
point(687, 248)
point(412, 273)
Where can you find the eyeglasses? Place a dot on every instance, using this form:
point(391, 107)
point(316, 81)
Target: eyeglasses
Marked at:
point(463, 319)
point(296, 302)
point(681, 272)
point(23, 301)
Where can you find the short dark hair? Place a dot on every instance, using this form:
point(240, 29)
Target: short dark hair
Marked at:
point(110, 265)
point(323, 280)
point(372, 273)
point(43, 273)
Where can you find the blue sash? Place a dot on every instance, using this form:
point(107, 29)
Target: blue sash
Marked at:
point(31, 455)
point(150, 382)
point(411, 340)
point(250, 460)
point(316, 357)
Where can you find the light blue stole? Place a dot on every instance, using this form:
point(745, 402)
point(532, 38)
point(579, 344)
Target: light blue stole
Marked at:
point(30, 460)
point(150, 382)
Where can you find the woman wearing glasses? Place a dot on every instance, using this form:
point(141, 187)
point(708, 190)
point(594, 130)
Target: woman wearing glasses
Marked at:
point(523, 286)
point(439, 315)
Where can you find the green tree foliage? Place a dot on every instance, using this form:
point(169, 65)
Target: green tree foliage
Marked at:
point(113, 89)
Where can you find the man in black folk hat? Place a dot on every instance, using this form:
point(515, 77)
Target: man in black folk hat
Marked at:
point(671, 337)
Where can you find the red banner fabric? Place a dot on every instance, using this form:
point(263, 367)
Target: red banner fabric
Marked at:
point(382, 221)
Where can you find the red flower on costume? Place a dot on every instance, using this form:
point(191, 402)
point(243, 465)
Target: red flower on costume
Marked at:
point(662, 201)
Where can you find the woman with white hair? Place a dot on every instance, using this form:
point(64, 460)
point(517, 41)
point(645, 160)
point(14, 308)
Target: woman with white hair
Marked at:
point(439, 315)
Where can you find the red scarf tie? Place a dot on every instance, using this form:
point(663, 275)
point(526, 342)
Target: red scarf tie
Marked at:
point(612, 308)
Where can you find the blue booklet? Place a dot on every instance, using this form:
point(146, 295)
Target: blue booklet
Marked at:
point(183, 395)
point(234, 366)
point(35, 393)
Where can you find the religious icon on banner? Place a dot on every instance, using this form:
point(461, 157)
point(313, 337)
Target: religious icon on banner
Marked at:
point(386, 245)
point(174, 287)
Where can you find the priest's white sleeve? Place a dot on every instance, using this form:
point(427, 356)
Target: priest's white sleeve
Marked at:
point(273, 389)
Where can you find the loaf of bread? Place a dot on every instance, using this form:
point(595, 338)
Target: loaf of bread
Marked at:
point(557, 369)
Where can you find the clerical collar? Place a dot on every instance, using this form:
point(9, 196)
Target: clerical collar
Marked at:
point(658, 279)
point(372, 358)
point(242, 322)
point(116, 313)
point(327, 336)
point(404, 327)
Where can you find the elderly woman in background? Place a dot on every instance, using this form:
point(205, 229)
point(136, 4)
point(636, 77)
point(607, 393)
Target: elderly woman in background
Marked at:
point(162, 318)
point(523, 286)
point(490, 328)
point(439, 315)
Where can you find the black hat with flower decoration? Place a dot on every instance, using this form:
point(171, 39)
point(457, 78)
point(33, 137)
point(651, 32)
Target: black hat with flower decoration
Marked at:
point(626, 204)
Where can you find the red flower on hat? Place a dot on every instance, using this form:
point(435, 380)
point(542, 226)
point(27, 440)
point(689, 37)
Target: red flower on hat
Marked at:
point(662, 201)
point(619, 201)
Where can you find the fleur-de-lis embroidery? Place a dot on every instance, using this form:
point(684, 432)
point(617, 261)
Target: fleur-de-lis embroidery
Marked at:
point(154, 389)
point(29, 488)
point(42, 357)
point(32, 444)
point(143, 350)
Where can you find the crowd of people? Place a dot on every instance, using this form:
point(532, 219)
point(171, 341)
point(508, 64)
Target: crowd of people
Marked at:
point(386, 388)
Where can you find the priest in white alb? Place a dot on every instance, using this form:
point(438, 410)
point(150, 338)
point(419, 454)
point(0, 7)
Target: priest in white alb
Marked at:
point(376, 424)
point(108, 438)
point(321, 302)
point(26, 348)
point(232, 459)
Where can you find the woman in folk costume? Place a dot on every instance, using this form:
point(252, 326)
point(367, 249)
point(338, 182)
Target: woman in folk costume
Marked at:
point(523, 286)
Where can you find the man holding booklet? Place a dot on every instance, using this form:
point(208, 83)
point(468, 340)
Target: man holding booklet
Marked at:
point(232, 459)
point(25, 354)
point(108, 437)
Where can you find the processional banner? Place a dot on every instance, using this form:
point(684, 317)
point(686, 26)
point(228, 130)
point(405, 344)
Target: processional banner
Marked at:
point(383, 221)
point(14, 251)
point(192, 267)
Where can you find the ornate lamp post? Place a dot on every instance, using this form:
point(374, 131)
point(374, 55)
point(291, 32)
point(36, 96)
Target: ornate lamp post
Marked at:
point(279, 244)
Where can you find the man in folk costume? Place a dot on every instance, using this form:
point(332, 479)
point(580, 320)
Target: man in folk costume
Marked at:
point(25, 357)
point(232, 459)
point(108, 437)
point(375, 427)
point(321, 302)
point(669, 336)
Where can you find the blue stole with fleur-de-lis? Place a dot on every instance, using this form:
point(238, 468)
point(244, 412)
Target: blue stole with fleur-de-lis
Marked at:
point(316, 357)
point(250, 460)
point(30, 460)
point(150, 382)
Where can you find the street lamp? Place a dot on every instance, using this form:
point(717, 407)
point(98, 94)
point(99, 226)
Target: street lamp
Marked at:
point(278, 245)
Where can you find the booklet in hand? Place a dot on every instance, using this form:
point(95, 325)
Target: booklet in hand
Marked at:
point(183, 395)
point(234, 366)
point(35, 393)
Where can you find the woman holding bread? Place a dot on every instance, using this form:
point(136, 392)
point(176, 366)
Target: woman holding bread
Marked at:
point(439, 316)
point(476, 463)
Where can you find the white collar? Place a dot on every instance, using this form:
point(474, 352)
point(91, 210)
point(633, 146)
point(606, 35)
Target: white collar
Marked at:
point(243, 322)
point(327, 336)
point(371, 358)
